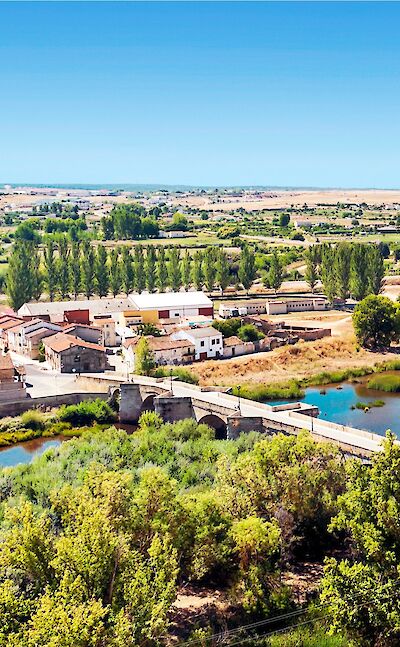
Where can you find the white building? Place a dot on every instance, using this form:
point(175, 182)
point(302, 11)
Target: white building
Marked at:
point(207, 341)
point(302, 304)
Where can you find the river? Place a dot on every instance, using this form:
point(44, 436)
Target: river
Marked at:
point(25, 452)
point(335, 403)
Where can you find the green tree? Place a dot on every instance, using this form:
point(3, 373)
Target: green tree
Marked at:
point(115, 272)
point(150, 268)
point(63, 266)
point(198, 276)
point(50, 267)
point(186, 269)
point(359, 284)
point(311, 273)
point(88, 269)
point(210, 271)
point(174, 270)
point(275, 274)
point(19, 278)
point(341, 269)
point(36, 273)
point(362, 595)
point(139, 269)
point(327, 273)
point(376, 269)
point(127, 271)
point(162, 270)
point(247, 268)
point(376, 321)
point(222, 267)
point(75, 267)
point(144, 358)
point(101, 272)
point(284, 219)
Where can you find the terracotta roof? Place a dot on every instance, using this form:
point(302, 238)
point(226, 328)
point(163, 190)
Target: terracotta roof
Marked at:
point(160, 343)
point(106, 320)
point(38, 332)
point(61, 342)
point(200, 333)
point(11, 324)
point(72, 326)
point(232, 341)
point(6, 362)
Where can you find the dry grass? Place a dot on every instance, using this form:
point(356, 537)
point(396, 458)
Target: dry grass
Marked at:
point(303, 360)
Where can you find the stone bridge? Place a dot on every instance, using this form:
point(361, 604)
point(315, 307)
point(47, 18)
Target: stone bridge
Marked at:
point(229, 416)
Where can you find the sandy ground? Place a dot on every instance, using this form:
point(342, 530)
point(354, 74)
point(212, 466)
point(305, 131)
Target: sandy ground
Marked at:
point(299, 361)
point(297, 198)
point(340, 323)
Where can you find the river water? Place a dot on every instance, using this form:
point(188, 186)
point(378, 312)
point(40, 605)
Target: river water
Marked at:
point(25, 452)
point(335, 403)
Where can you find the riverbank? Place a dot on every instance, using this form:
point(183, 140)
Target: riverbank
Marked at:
point(307, 363)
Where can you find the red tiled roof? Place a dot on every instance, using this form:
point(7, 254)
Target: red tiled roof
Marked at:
point(61, 342)
point(6, 362)
point(160, 343)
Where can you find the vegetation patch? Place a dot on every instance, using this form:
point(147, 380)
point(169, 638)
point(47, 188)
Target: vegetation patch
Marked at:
point(388, 383)
point(261, 392)
point(365, 406)
point(183, 374)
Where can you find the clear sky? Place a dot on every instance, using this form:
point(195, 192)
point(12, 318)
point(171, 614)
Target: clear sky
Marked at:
point(300, 94)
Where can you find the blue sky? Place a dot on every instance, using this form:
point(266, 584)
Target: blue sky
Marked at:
point(300, 94)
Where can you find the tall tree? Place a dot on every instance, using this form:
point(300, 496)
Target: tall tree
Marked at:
point(63, 267)
point(115, 272)
point(138, 264)
point(88, 269)
point(101, 272)
point(36, 273)
point(50, 268)
point(162, 270)
point(210, 271)
point(198, 276)
point(247, 268)
point(341, 269)
point(174, 270)
point(359, 284)
point(75, 267)
point(186, 269)
point(150, 268)
point(376, 269)
point(327, 273)
point(222, 267)
point(144, 358)
point(127, 271)
point(19, 277)
point(275, 274)
point(311, 274)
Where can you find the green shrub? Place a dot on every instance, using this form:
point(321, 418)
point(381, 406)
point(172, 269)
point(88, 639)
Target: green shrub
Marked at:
point(58, 429)
point(261, 392)
point(388, 383)
point(87, 412)
point(33, 419)
point(183, 374)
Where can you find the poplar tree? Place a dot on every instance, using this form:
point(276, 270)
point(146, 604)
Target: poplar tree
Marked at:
point(376, 269)
point(222, 267)
point(115, 272)
point(198, 276)
point(36, 273)
point(19, 276)
point(174, 270)
point(75, 267)
point(101, 272)
point(162, 271)
point(88, 269)
point(138, 264)
point(311, 273)
point(359, 287)
point(150, 268)
point(341, 269)
point(186, 269)
point(50, 268)
point(210, 271)
point(247, 269)
point(275, 274)
point(63, 267)
point(327, 274)
point(127, 271)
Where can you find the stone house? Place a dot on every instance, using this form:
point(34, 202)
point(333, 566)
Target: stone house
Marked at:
point(68, 354)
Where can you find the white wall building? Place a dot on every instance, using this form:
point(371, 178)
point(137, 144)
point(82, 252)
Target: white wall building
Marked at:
point(207, 341)
point(302, 304)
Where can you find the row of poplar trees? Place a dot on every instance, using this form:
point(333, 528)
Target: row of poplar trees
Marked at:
point(346, 269)
point(65, 268)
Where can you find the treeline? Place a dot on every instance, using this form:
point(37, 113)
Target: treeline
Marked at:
point(65, 268)
point(346, 269)
point(129, 222)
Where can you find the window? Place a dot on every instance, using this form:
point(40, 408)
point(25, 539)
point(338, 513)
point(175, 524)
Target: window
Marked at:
point(213, 341)
point(202, 343)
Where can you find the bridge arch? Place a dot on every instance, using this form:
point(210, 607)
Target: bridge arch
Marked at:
point(148, 402)
point(216, 423)
point(114, 397)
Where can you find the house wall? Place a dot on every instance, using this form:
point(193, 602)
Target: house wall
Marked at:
point(91, 361)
